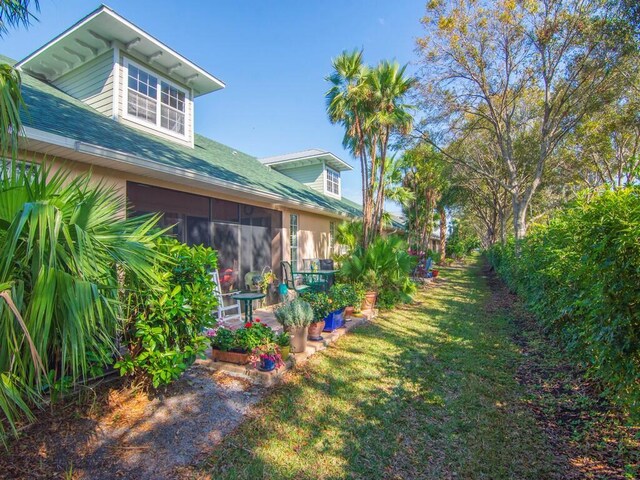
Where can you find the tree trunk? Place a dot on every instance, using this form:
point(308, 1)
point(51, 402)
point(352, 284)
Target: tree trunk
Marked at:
point(519, 220)
point(503, 227)
point(443, 233)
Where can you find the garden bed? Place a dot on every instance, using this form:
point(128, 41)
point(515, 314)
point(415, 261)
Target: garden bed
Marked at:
point(248, 372)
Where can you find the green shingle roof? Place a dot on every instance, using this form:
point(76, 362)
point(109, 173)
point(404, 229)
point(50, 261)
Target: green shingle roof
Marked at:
point(53, 111)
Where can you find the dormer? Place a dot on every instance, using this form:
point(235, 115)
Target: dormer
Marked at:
point(123, 72)
point(315, 168)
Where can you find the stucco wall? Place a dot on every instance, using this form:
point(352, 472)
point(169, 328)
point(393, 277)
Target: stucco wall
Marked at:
point(313, 229)
point(313, 235)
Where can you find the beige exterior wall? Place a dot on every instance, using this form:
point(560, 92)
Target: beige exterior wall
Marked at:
point(313, 235)
point(313, 229)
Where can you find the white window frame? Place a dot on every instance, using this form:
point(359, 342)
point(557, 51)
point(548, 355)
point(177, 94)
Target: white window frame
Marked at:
point(293, 238)
point(327, 180)
point(158, 125)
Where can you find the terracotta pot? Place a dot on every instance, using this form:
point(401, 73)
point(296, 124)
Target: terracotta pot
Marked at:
point(348, 313)
point(298, 338)
point(230, 357)
point(315, 330)
point(369, 300)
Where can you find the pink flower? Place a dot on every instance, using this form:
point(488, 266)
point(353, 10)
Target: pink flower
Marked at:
point(211, 332)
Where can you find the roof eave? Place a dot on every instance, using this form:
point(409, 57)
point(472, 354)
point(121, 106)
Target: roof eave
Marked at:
point(208, 84)
point(337, 163)
point(155, 169)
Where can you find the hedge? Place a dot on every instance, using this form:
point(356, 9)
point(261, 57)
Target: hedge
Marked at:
point(580, 273)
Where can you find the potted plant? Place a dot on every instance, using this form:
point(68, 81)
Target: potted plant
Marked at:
point(266, 357)
point(223, 346)
point(283, 340)
point(295, 317)
point(370, 279)
point(235, 346)
point(339, 296)
point(357, 299)
point(321, 305)
point(349, 296)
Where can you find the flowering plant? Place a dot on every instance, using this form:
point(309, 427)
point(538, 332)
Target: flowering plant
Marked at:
point(268, 351)
point(244, 339)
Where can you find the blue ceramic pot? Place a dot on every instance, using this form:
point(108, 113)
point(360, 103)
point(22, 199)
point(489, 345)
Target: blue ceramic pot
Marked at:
point(266, 364)
point(334, 320)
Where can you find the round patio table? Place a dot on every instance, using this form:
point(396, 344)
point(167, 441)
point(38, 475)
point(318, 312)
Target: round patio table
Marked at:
point(248, 298)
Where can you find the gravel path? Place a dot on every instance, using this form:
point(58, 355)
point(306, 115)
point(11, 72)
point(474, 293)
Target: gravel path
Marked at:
point(134, 436)
point(175, 430)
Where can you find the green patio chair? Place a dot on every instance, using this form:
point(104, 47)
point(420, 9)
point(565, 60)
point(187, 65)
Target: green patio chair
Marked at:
point(287, 277)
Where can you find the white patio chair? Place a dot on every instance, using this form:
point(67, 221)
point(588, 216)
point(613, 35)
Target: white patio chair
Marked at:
point(225, 309)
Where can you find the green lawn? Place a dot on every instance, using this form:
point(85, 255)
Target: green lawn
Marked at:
point(426, 391)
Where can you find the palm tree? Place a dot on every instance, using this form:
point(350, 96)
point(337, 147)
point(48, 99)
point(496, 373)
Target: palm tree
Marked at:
point(388, 87)
point(368, 103)
point(13, 13)
point(346, 105)
point(64, 247)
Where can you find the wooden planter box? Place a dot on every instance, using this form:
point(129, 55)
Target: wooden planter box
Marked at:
point(230, 357)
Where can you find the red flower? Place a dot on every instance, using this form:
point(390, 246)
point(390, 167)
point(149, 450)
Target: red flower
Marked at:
point(257, 320)
point(247, 325)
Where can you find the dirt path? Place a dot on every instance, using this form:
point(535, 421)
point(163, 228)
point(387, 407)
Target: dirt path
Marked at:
point(124, 434)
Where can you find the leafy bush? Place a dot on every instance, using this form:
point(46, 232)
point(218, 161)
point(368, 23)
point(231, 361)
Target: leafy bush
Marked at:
point(580, 274)
point(320, 303)
point(283, 339)
point(385, 266)
point(296, 313)
point(346, 295)
point(63, 242)
point(252, 335)
point(164, 328)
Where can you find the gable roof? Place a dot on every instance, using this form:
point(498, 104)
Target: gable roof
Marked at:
point(307, 157)
point(100, 31)
point(59, 115)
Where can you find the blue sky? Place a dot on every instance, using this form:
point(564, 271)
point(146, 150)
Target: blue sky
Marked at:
point(272, 55)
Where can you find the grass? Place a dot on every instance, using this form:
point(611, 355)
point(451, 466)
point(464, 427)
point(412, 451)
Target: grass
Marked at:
point(426, 391)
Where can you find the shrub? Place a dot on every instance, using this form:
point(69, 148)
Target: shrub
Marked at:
point(63, 242)
point(385, 266)
point(163, 331)
point(580, 273)
point(347, 295)
point(283, 339)
point(253, 335)
point(296, 313)
point(320, 303)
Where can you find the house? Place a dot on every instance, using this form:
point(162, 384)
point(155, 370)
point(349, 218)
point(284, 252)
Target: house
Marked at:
point(107, 96)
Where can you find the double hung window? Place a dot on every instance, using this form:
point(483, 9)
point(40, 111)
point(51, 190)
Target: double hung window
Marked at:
point(155, 101)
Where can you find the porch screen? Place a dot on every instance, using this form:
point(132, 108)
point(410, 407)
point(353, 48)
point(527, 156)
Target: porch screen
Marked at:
point(246, 237)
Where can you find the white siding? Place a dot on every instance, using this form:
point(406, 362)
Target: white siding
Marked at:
point(122, 105)
point(310, 175)
point(91, 83)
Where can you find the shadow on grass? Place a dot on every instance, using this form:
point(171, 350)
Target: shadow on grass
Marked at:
point(427, 391)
